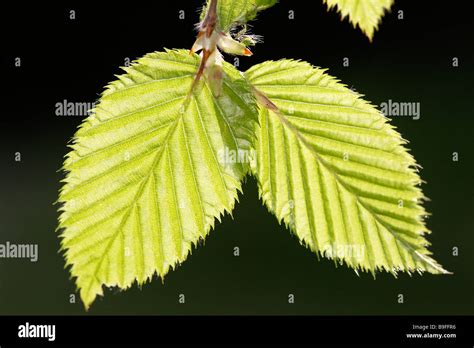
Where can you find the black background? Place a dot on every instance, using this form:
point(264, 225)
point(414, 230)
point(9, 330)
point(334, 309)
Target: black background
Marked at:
point(409, 60)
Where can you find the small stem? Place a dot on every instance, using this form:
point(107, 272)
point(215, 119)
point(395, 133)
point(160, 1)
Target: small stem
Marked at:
point(263, 100)
point(207, 29)
point(210, 20)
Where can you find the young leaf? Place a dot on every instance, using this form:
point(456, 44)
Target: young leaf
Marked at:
point(331, 167)
point(232, 12)
point(363, 13)
point(146, 179)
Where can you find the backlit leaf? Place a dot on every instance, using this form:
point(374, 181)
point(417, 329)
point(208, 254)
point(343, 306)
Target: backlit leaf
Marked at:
point(231, 12)
point(333, 170)
point(366, 14)
point(146, 178)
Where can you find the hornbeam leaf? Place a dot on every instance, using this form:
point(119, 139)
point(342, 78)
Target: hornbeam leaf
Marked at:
point(232, 12)
point(363, 13)
point(146, 178)
point(332, 168)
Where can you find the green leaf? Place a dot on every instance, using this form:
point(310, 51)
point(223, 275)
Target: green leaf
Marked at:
point(232, 12)
point(145, 179)
point(363, 13)
point(331, 167)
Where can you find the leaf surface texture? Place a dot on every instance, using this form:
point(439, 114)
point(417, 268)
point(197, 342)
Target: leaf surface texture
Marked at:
point(231, 12)
point(366, 14)
point(331, 168)
point(145, 177)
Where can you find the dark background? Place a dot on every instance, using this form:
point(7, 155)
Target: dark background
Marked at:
point(410, 60)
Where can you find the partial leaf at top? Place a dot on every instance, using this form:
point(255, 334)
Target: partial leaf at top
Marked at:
point(366, 14)
point(331, 168)
point(232, 12)
point(146, 177)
